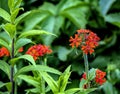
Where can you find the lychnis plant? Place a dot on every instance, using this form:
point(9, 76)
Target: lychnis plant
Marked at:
point(87, 41)
point(12, 41)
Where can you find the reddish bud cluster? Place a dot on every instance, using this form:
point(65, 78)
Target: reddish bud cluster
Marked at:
point(4, 51)
point(86, 39)
point(38, 51)
point(99, 78)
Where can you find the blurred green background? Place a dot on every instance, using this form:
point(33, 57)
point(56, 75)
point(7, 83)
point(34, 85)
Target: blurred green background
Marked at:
point(63, 18)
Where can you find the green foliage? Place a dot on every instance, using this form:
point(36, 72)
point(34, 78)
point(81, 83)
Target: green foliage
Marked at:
point(4, 14)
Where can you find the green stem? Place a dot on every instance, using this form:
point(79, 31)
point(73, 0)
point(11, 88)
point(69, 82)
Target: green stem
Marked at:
point(86, 67)
point(12, 69)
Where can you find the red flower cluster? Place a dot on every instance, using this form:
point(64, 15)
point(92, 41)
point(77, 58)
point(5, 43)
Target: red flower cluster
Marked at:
point(86, 39)
point(38, 51)
point(99, 78)
point(4, 51)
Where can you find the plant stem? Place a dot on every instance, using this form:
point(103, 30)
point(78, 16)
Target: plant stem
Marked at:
point(12, 69)
point(86, 67)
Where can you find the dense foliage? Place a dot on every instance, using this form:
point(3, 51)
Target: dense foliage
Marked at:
point(53, 22)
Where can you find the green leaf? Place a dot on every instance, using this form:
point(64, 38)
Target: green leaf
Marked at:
point(21, 42)
point(5, 44)
point(19, 18)
point(8, 86)
point(2, 84)
point(50, 81)
point(72, 91)
point(5, 67)
point(34, 32)
point(70, 4)
point(76, 16)
point(11, 5)
point(26, 57)
point(105, 5)
point(36, 68)
point(4, 36)
point(29, 79)
point(4, 92)
point(91, 74)
point(51, 9)
point(15, 13)
point(63, 79)
point(17, 3)
point(62, 53)
point(10, 29)
point(82, 83)
point(113, 18)
point(34, 18)
point(5, 15)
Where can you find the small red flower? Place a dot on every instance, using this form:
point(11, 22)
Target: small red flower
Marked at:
point(75, 41)
point(86, 39)
point(38, 51)
point(99, 78)
point(4, 52)
point(21, 49)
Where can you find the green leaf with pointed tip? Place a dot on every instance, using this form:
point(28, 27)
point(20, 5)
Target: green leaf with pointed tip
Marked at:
point(36, 68)
point(17, 3)
point(29, 79)
point(5, 67)
point(113, 18)
point(76, 16)
point(72, 91)
point(11, 5)
point(5, 44)
point(15, 13)
point(26, 57)
point(19, 18)
point(5, 15)
point(21, 42)
point(8, 86)
point(10, 29)
point(63, 79)
point(34, 32)
point(51, 82)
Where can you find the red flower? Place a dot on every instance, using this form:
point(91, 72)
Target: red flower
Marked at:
point(86, 39)
point(99, 78)
point(21, 49)
point(38, 51)
point(75, 41)
point(4, 52)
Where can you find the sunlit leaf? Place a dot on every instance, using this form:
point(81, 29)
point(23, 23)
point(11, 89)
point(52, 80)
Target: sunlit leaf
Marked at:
point(37, 68)
point(51, 82)
point(29, 79)
point(34, 32)
point(26, 57)
point(10, 29)
point(4, 14)
point(22, 16)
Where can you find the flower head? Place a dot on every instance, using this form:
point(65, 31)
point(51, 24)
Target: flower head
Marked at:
point(85, 39)
point(4, 52)
point(38, 51)
point(99, 77)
